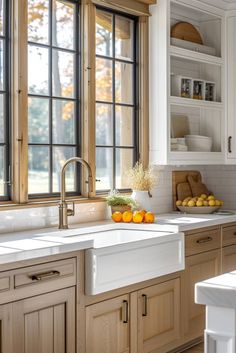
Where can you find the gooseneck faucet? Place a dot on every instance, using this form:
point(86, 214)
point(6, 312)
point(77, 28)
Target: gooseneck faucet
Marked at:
point(64, 211)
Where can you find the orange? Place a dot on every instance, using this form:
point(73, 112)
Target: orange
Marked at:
point(127, 216)
point(149, 217)
point(143, 212)
point(137, 217)
point(117, 216)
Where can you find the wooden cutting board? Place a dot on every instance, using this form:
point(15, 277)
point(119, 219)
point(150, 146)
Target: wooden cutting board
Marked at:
point(179, 126)
point(186, 31)
point(179, 177)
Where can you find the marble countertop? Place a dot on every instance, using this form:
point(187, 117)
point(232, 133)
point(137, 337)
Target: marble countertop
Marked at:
point(217, 291)
point(180, 222)
point(25, 245)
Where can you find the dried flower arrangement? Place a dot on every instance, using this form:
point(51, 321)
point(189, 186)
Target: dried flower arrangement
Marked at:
point(140, 178)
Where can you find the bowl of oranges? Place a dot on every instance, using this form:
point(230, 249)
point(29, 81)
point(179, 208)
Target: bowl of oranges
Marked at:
point(138, 216)
point(202, 204)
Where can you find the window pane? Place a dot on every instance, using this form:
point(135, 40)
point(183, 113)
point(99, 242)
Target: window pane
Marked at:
point(124, 161)
point(103, 80)
point(103, 33)
point(2, 78)
point(2, 170)
point(104, 170)
point(124, 45)
point(38, 114)
point(63, 122)
point(60, 155)
point(38, 21)
point(63, 18)
point(2, 5)
point(124, 126)
point(104, 124)
point(63, 74)
point(38, 70)
point(38, 169)
point(2, 125)
point(124, 83)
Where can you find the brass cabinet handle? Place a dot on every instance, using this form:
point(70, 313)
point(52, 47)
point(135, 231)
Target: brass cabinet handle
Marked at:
point(44, 275)
point(204, 240)
point(125, 312)
point(234, 233)
point(144, 313)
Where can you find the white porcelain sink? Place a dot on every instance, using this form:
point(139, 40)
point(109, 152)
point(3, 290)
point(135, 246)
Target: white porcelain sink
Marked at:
point(121, 257)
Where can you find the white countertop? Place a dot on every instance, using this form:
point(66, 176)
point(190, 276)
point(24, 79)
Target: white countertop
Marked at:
point(180, 222)
point(217, 291)
point(31, 244)
point(20, 246)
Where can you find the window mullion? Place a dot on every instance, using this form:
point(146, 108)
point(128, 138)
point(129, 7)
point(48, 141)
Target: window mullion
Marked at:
point(88, 91)
point(19, 102)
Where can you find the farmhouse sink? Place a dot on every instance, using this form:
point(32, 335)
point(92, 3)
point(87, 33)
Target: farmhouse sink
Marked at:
point(121, 257)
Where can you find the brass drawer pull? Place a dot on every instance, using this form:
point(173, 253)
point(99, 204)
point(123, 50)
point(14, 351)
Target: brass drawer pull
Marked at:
point(204, 240)
point(234, 233)
point(125, 312)
point(44, 275)
point(144, 313)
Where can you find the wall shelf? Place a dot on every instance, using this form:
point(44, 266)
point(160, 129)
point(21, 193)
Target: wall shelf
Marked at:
point(195, 56)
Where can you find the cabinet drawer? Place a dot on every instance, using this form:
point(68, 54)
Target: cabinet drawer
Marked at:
point(63, 272)
point(202, 241)
point(4, 283)
point(229, 235)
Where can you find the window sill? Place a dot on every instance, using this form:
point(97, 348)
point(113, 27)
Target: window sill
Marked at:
point(7, 205)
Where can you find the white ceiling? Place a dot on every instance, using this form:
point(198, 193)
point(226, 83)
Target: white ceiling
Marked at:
point(224, 4)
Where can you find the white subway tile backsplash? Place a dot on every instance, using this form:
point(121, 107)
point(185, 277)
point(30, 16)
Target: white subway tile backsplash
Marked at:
point(221, 180)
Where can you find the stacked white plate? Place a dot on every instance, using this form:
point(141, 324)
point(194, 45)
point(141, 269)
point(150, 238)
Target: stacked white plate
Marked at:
point(197, 143)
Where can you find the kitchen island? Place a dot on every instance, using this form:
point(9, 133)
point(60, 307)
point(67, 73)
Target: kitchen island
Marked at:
point(219, 296)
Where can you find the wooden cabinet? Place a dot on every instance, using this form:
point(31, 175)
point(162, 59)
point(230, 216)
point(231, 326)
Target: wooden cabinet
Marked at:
point(229, 259)
point(108, 326)
point(5, 329)
point(229, 248)
point(117, 326)
point(158, 316)
point(198, 268)
point(45, 323)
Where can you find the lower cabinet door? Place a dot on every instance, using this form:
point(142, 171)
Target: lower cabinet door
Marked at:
point(45, 323)
point(229, 259)
point(197, 268)
point(5, 329)
point(108, 326)
point(159, 316)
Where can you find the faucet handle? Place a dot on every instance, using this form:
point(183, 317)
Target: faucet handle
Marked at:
point(71, 212)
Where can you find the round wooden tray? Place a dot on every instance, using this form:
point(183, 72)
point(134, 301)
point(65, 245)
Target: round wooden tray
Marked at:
point(198, 210)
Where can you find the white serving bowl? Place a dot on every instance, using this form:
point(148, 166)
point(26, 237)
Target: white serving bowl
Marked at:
point(197, 143)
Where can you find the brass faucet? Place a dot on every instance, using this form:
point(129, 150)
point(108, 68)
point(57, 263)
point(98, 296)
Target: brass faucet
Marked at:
point(64, 211)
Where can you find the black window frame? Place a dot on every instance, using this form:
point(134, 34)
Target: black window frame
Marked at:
point(6, 37)
point(77, 100)
point(135, 105)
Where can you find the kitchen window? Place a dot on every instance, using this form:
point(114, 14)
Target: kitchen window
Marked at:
point(116, 98)
point(75, 86)
point(53, 94)
point(4, 99)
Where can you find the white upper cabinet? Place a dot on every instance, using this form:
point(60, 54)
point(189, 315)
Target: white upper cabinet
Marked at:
point(231, 92)
point(187, 83)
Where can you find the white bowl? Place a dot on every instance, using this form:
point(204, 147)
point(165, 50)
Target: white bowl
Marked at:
point(197, 143)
